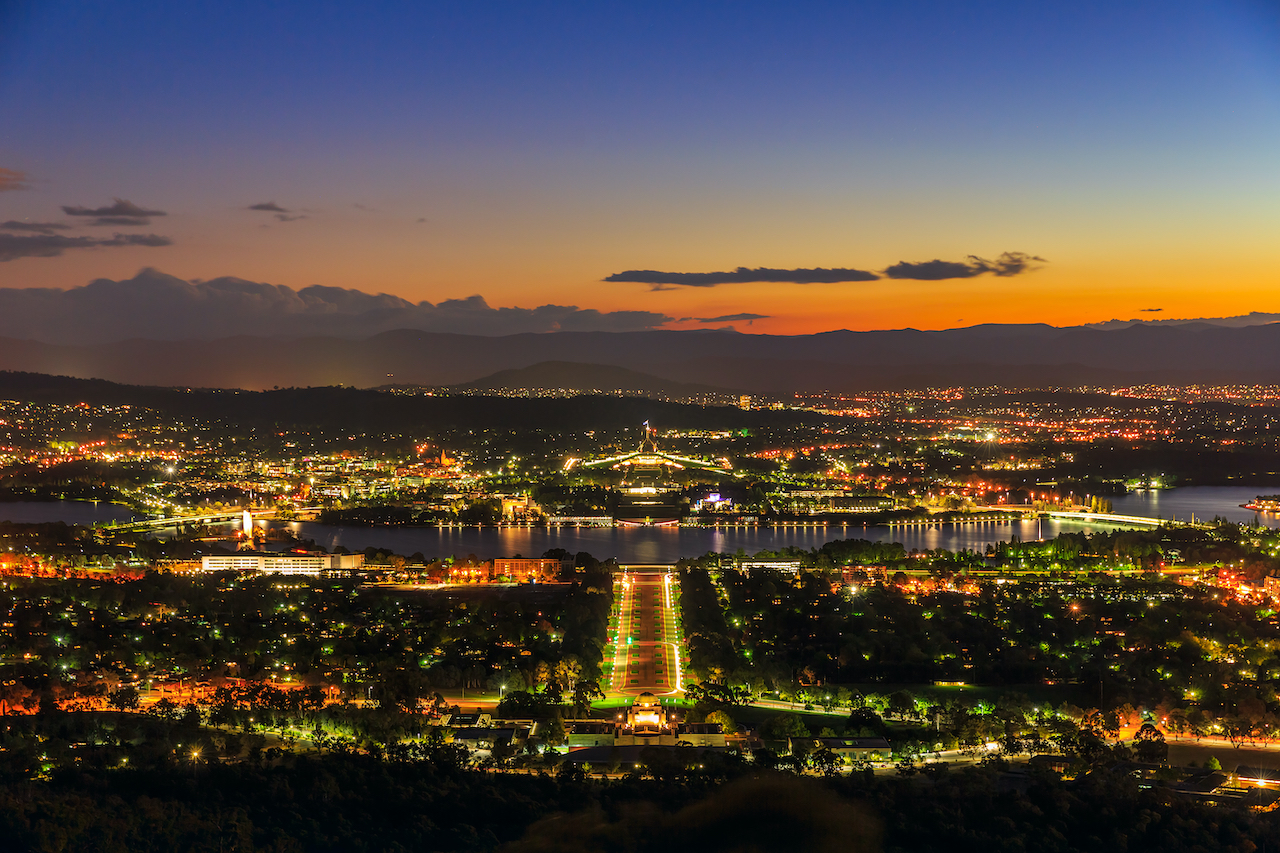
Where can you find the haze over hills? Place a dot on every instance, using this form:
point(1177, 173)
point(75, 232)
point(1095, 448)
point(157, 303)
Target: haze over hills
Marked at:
point(577, 376)
point(1021, 356)
point(157, 329)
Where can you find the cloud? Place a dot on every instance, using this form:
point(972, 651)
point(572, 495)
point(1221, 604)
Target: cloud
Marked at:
point(1008, 264)
point(14, 246)
point(122, 207)
point(37, 227)
point(123, 212)
point(665, 280)
point(1150, 310)
point(284, 214)
point(935, 270)
point(11, 179)
point(729, 318)
point(155, 305)
point(137, 240)
point(121, 220)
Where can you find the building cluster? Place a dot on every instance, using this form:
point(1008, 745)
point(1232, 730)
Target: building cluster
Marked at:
point(508, 570)
point(647, 722)
point(284, 563)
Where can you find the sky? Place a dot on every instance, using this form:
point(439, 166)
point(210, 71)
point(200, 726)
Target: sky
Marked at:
point(1065, 162)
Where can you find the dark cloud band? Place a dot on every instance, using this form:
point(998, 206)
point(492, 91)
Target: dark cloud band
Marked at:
point(731, 318)
point(123, 212)
point(36, 227)
point(14, 246)
point(743, 275)
point(121, 220)
point(1008, 264)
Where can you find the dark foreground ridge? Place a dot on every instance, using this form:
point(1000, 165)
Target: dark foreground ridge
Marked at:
point(354, 802)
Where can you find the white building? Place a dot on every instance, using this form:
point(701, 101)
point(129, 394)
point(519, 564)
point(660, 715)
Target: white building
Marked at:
point(284, 564)
point(786, 567)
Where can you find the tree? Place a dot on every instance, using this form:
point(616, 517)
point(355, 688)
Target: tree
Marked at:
point(124, 699)
point(13, 694)
point(783, 726)
point(902, 705)
point(311, 698)
point(567, 671)
point(584, 693)
point(865, 719)
point(553, 732)
point(727, 725)
point(826, 761)
point(520, 705)
point(1149, 745)
point(166, 709)
point(400, 688)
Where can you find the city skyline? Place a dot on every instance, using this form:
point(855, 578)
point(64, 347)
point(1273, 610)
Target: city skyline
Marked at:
point(727, 426)
point(917, 165)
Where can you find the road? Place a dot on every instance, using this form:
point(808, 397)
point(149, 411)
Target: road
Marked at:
point(646, 654)
point(799, 708)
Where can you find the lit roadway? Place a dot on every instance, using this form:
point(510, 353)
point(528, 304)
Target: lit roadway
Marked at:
point(646, 655)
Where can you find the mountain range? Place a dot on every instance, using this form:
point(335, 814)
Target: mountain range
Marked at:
point(1007, 355)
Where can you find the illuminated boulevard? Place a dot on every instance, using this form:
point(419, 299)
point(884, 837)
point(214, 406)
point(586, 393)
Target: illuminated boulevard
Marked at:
point(646, 636)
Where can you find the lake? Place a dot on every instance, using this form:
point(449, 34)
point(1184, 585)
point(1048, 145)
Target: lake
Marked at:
point(667, 544)
point(661, 544)
point(1204, 501)
point(71, 512)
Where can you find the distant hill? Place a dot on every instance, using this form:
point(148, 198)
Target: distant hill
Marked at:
point(590, 378)
point(355, 411)
point(1007, 355)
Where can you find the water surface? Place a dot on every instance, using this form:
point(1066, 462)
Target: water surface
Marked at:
point(70, 512)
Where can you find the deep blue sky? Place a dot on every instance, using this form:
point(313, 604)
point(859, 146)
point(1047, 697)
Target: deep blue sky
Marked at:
point(547, 145)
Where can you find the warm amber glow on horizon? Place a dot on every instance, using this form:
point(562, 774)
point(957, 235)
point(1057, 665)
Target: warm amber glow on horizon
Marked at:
point(1059, 294)
point(561, 258)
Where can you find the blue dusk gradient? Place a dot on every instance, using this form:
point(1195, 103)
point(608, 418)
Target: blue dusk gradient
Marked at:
point(527, 151)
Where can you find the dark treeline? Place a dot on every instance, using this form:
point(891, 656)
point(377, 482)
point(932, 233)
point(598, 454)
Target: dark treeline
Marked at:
point(357, 411)
point(425, 801)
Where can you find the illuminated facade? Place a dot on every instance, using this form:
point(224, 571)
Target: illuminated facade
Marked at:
point(646, 723)
point(646, 498)
point(284, 564)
